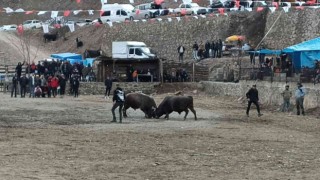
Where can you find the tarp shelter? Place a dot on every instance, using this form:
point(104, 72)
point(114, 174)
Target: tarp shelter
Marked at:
point(65, 56)
point(88, 61)
point(305, 53)
point(266, 52)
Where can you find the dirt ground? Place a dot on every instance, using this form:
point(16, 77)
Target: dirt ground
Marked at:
point(73, 139)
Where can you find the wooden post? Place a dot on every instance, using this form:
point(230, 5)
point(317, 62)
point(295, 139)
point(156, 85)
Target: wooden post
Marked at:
point(193, 71)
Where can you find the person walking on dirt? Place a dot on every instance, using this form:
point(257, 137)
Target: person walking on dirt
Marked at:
point(108, 84)
point(299, 94)
point(286, 94)
point(14, 85)
point(253, 97)
point(118, 101)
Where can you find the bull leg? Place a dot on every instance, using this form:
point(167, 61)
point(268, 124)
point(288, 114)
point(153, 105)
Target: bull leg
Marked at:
point(167, 116)
point(125, 111)
point(185, 116)
point(194, 112)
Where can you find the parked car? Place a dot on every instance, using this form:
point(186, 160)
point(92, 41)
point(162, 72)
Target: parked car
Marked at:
point(189, 9)
point(32, 24)
point(152, 9)
point(11, 27)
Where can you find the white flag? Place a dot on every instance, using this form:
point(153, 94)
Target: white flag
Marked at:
point(19, 10)
point(110, 23)
point(272, 9)
point(8, 10)
point(248, 9)
point(196, 17)
point(285, 9)
point(71, 27)
point(169, 19)
point(90, 12)
point(76, 12)
point(159, 19)
point(45, 28)
point(54, 14)
point(41, 12)
point(178, 18)
point(131, 1)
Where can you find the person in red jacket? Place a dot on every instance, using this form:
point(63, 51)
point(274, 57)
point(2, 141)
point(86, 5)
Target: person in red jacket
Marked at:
point(54, 85)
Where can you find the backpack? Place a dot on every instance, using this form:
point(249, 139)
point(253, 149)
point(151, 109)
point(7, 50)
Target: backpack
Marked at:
point(120, 95)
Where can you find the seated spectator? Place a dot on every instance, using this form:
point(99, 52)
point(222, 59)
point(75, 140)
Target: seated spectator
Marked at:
point(37, 92)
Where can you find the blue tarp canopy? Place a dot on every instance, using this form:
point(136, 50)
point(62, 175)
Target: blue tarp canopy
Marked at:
point(65, 56)
point(305, 53)
point(88, 61)
point(266, 52)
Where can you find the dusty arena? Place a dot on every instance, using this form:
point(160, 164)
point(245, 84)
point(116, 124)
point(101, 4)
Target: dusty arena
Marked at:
point(72, 138)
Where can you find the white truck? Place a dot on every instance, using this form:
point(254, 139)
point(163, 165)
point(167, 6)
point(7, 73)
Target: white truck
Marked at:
point(131, 50)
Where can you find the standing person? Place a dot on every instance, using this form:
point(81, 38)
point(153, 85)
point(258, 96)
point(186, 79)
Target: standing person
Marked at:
point(118, 101)
point(23, 85)
point(14, 85)
point(286, 94)
point(108, 84)
point(32, 85)
point(201, 50)
point(299, 94)
point(181, 50)
point(212, 46)
point(207, 47)
point(49, 86)
point(54, 85)
point(62, 83)
point(76, 85)
point(19, 69)
point(216, 49)
point(253, 97)
point(195, 49)
point(220, 45)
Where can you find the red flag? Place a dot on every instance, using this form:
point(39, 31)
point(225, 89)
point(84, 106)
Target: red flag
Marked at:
point(29, 12)
point(237, 4)
point(183, 12)
point(101, 12)
point(221, 10)
point(138, 11)
point(299, 7)
point(97, 24)
point(311, 2)
point(158, 2)
point(66, 13)
point(57, 26)
point(275, 4)
point(78, 1)
point(259, 9)
point(20, 29)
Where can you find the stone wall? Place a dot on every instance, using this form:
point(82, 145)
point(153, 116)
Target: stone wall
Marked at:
point(98, 88)
point(269, 93)
point(292, 27)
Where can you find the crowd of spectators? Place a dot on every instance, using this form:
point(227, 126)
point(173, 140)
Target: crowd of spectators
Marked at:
point(176, 75)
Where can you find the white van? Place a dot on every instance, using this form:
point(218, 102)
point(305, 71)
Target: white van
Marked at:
point(116, 12)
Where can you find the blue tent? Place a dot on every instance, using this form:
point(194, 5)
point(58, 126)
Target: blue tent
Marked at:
point(65, 56)
point(88, 61)
point(266, 52)
point(305, 53)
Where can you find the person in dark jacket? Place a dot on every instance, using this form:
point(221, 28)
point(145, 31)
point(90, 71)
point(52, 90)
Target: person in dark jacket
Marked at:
point(62, 83)
point(212, 46)
point(253, 97)
point(118, 101)
point(75, 86)
point(207, 48)
point(19, 69)
point(108, 84)
point(23, 85)
point(14, 85)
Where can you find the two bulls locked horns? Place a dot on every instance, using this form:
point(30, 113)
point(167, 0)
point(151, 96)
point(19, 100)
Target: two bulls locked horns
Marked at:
point(167, 106)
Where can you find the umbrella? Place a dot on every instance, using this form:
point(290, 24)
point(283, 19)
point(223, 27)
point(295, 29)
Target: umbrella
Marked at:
point(235, 38)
